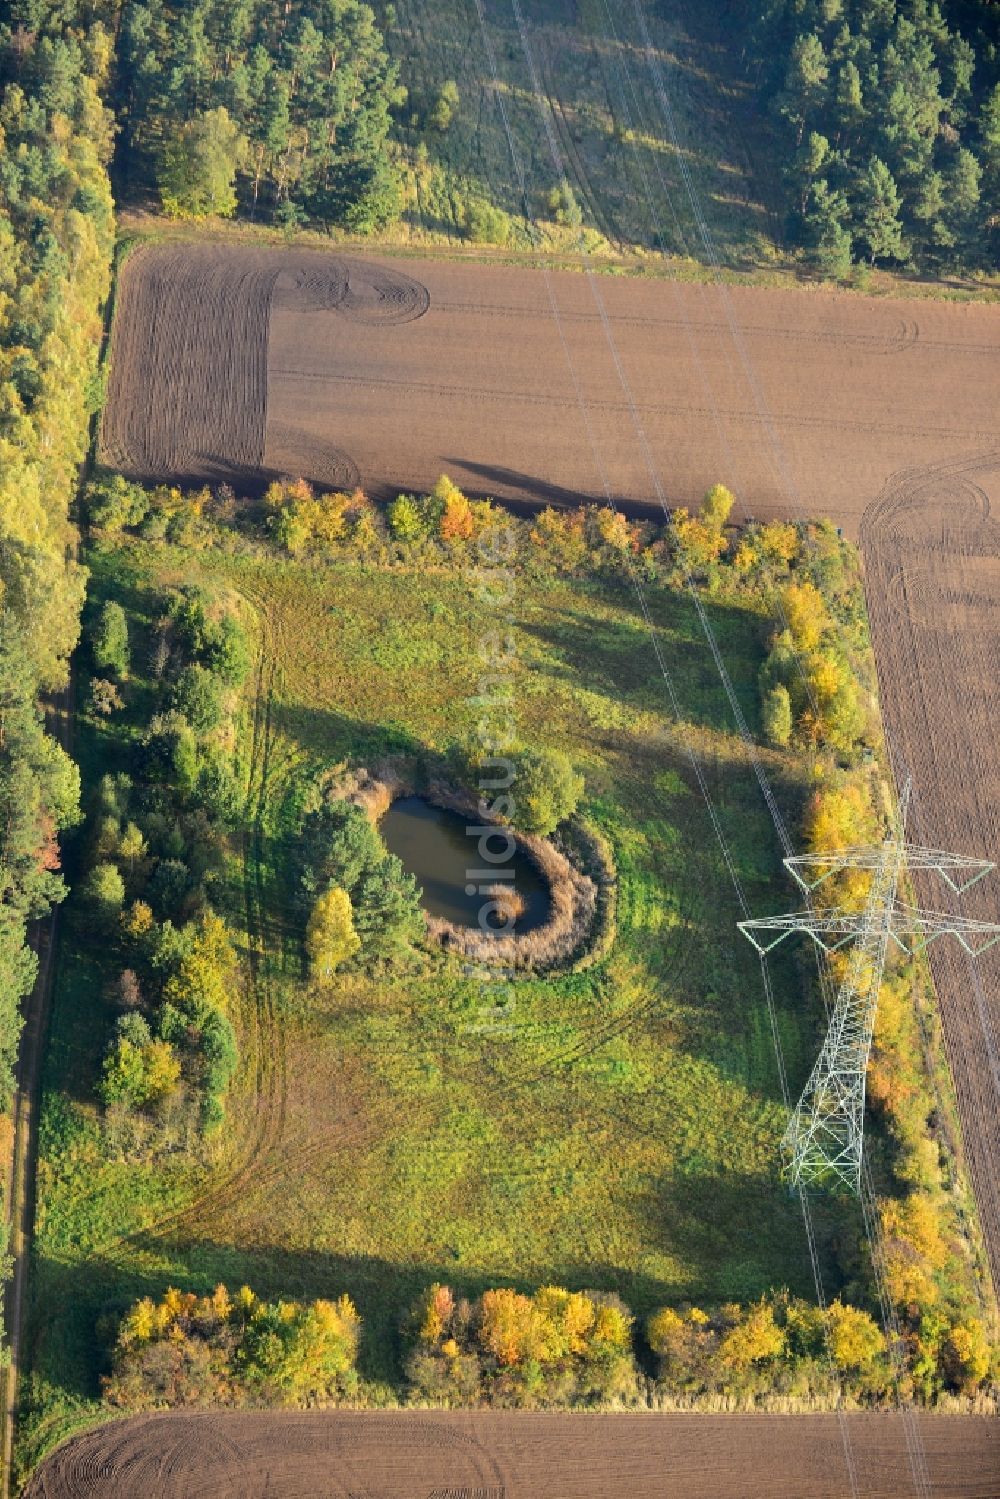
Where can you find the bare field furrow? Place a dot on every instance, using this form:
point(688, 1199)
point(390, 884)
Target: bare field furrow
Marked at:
point(925, 540)
point(387, 374)
point(514, 1455)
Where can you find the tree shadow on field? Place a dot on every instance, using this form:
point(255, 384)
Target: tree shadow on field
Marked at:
point(618, 658)
point(531, 494)
point(750, 1227)
point(76, 1306)
point(332, 736)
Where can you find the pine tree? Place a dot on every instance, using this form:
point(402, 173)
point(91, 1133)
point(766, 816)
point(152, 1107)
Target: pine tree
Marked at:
point(880, 205)
point(805, 82)
point(962, 203)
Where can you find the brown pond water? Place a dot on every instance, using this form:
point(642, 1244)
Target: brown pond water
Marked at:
point(443, 851)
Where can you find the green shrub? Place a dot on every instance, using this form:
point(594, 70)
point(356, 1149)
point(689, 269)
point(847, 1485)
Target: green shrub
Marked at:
point(104, 890)
point(110, 640)
point(776, 713)
point(442, 111)
point(196, 695)
point(486, 224)
point(226, 652)
point(113, 502)
point(546, 790)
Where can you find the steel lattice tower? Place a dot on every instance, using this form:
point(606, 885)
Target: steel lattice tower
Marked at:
point(824, 1136)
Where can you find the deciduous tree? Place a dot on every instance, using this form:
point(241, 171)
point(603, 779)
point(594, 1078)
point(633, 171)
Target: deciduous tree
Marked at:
point(330, 936)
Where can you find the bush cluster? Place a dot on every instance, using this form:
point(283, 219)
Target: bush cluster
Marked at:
point(154, 855)
point(554, 1348)
point(777, 1346)
point(233, 1351)
point(816, 683)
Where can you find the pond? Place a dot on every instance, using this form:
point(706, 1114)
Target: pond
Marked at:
point(443, 851)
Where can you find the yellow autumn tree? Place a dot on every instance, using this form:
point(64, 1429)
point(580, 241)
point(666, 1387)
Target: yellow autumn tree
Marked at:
point(841, 816)
point(455, 522)
point(779, 543)
point(716, 506)
point(913, 1250)
point(561, 536)
point(697, 544)
point(329, 524)
point(163, 1069)
point(137, 920)
point(966, 1356)
point(754, 1339)
point(856, 1341)
point(805, 615)
point(614, 531)
point(506, 1325)
point(434, 1312)
point(665, 1332)
point(205, 973)
point(330, 935)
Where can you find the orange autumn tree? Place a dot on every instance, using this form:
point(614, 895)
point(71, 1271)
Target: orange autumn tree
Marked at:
point(556, 1346)
point(456, 521)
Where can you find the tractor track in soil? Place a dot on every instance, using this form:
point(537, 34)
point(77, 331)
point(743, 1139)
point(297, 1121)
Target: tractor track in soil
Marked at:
point(386, 374)
point(511, 1455)
point(931, 551)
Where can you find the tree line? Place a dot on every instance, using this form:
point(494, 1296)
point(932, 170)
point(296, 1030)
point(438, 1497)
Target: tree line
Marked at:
point(888, 122)
point(553, 1348)
point(153, 859)
point(56, 235)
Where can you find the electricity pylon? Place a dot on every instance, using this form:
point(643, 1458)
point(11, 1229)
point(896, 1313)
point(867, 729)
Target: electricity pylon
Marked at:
point(824, 1137)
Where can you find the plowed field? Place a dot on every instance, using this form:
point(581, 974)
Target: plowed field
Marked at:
point(241, 363)
point(487, 1455)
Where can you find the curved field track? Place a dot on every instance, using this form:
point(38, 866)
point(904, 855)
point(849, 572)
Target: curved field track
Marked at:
point(504, 1455)
point(244, 363)
point(931, 548)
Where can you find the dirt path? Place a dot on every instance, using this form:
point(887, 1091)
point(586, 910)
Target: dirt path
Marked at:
point(514, 1455)
point(21, 1175)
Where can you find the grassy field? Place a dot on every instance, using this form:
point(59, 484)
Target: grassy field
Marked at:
point(610, 128)
point(621, 1133)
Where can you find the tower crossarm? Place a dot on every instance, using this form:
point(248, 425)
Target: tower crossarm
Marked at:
point(958, 872)
point(916, 930)
point(830, 930)
point(824, 1135)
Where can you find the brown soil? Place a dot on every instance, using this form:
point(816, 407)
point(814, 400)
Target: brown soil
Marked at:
point(931, 551)
point(394, 373)
point(504, 1455)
